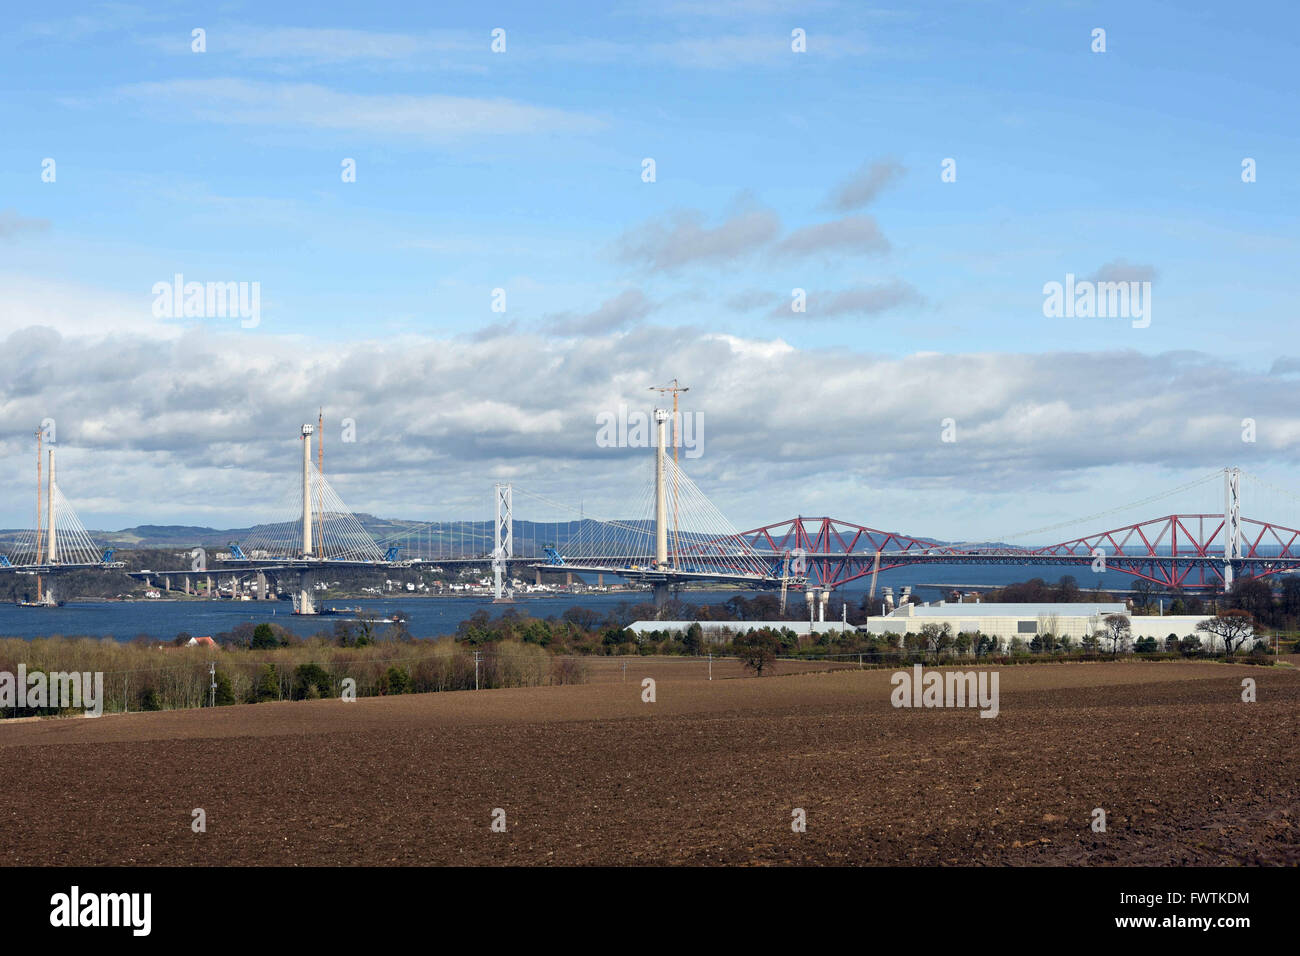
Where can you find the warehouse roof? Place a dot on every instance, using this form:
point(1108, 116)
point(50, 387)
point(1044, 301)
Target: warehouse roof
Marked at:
point(1062, 609)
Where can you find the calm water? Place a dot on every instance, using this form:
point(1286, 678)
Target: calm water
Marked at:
point(425, 617)
point(431, 617)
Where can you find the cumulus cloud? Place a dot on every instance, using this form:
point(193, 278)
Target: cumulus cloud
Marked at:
point(307, 105)
point(12, 224)
point(853, 234)
point(865, 300)
point(202, 428)
point(864, 185)
point(75, 309)
point(613, 314)
point(752, 299)
point(684, 240)
point(1120, 270)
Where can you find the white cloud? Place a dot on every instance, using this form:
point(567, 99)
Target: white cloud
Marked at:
point(863, 300)
point(853, 234)
point(77, 310)
point(683, 240)
point(12, 224)
point(306, 105)
point(864, 185)
point(199, 427)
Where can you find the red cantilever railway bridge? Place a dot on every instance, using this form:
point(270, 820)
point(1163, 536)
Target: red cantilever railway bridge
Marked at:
point(1176, 551)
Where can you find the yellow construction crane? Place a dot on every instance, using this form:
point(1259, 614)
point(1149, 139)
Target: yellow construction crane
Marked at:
point(675, 389)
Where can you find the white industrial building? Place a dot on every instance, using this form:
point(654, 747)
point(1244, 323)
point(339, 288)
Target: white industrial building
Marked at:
point(715, 629)
point(1009, 621)
point(1003, 621)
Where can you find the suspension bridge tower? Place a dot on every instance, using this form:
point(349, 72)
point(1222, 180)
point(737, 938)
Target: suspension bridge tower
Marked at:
point(1231, 523)
point(306, 603)
point(662, 416)
point(504, 545)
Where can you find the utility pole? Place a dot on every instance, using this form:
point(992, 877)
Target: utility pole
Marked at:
point(212, 672)
point(477, 658)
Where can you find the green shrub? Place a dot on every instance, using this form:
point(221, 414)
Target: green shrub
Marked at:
point(394, 681)
point(225, 693)
point(264, 638)
point(308, 676)
point(267, 686)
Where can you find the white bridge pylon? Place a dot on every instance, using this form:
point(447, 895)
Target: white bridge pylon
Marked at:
point(314, 524)
point(675, 534)
point(59, 538)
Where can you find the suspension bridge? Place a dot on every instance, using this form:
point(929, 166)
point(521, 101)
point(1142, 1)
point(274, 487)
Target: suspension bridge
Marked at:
point(670, 535)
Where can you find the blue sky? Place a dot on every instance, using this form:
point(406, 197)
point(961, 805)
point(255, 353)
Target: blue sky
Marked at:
point(522, 170)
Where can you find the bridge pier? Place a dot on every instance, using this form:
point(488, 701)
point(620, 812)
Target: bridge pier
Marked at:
point(261, 586)
point(306, 602)
point(600, 580)
point(187, 584)
point(209, 577)
point(537, 577)
point(661, 596)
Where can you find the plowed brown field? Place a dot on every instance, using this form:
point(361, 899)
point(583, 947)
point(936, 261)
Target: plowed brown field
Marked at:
point(709, 773)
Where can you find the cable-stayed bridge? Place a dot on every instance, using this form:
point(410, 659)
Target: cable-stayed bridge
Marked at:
point(672, 534)
point(1191, 549)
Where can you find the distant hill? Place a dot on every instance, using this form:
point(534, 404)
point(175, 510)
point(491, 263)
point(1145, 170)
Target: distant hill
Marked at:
point(179, 536)
point(168, 536)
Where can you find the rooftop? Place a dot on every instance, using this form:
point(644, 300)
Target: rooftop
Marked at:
point(1062, 609)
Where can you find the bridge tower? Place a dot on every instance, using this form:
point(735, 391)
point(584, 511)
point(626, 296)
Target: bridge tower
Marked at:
point(661, 507)
point(661, 492)
point(306, 490)
point(306, 603)
point(1231, 522)
point(52, 544)
point(504, 545)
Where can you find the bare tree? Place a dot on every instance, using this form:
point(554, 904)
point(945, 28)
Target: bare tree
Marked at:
point(937, 638)
point(758, 650)
point(1116, 630)
point(1231, 626)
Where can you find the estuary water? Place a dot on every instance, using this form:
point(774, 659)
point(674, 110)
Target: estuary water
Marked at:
point(436, 616)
